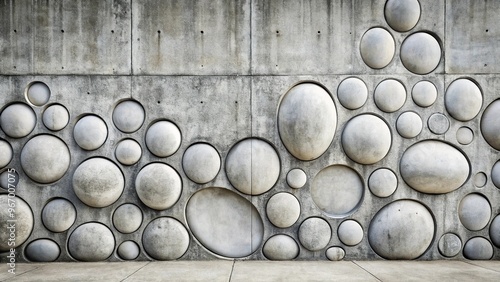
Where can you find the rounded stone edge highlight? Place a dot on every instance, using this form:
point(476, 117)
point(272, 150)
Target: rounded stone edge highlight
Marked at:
point(43, 100)
point(154, 148)
point(449, 245)
point(412, 17)
point(57, 127)
point(40, 252)
point(376, 61)
point(119, 124)
point(83, 141)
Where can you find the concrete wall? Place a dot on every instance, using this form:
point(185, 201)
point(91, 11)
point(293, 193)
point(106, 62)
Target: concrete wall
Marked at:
point(308, 130)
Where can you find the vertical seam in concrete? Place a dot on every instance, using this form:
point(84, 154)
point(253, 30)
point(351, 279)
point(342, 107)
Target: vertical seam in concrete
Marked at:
point(444, 38)
point(131, 72)
point(366, 270)
point(136, 271)
point(232, 269)
point(33, 36)
point(251, 130)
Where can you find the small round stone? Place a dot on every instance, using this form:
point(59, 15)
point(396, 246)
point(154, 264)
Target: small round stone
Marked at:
point(55, 117)
point(383, 182)
point(24, 222)
point(128, 116)
point(280, 247)
point(495, 231)
point(490, 127)
point(6, 153)
point(127, 218)
point(58, 215)
point(463, 99)
point(158, 186)
point(91, 242)
point(420, 53)
point(478, 248)
point(438, 123)
point(90, 132)
point(402, 15)
point(296, 178)
point(128, 250)
point(366, 139)
point(45, 158)
point(465, 135)
point(474, 211)
point(98, 182)
point(17, 120)
point(377, 48)
point(163, 138)
point(9, 178)
point(315, 234)
point(337, 190)
point(495, 174)
point(424, 93)
point(201, 163)
point(38, 93)
point(283, 210)
point(390, 95)
point(42, 250)
point(350, 232)
point(335, 253)
point(449, 245)
point(128, 152)
point(480, 179)
point(409, 125)
point(352, 93)
point(165, 238)
point(253, 166)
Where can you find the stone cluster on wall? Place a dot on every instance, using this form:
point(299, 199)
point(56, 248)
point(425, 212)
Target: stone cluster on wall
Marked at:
point(370, 164)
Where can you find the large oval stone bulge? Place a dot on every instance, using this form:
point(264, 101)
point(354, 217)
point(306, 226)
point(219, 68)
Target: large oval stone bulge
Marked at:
point(434, 167)
point(307, 120)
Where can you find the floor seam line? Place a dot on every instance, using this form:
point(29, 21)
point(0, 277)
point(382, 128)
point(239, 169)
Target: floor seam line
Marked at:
point(21, 274)
point(366, 270)
point(232, 269)
point(135, 271)
point(481, 266)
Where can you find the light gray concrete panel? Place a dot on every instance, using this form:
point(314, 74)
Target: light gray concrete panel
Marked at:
point(191, 37)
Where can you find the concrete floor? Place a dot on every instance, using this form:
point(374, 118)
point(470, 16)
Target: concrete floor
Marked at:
point(258, 271)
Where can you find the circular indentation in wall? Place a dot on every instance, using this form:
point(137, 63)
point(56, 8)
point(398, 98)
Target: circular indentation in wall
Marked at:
point(480, 179)
point(6, 153)
point(335, 253)
point(383, 182)
point(9, 178)
point(366, 139)
point(91, 242)
point(128, 250)
point(424, 93)
point(165, 238)
point(474, 211)
point(90, 132)
point(55, 117)
point(438, 123)
point(158, 186)
point(307, 120)
point(434, 167)
point(163, 138)
point(465, 135)
point(42, 250)
point(283, 210)
point(38, 93)
point(24, 221)
point(403, 229)
point(127, 218)
point(17, 120)
point(315, 234)
point(128, 116)
point(420, 53)
point(296, 178)
point(236, 229)
point(390, 95)
point(409, 125)
point(490, 127)
point(337, 190)
point(98, 182)
point(495, 231)
point(350, 232)
point(463, 99)
point(280, 247)
point(495, 174)
point(128, 152)
point(449, 245)
point(377, 48)
point(45, 158)
point(201, 163)
point(253, 166)
point(478, 248)
point(402, 15)
point(58, 215)
point(352, 93)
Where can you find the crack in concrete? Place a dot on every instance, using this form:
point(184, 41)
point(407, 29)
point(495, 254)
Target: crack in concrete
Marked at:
point(366, 270)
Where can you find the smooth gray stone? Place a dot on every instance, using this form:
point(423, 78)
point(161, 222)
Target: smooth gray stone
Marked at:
point(463, 99)
point(90, 132)
point(450, 245)
point(402, 15)
point(158, 186)
point(201, 163)
point(165, 238)
point(55, 117)
point(127, 218)
point(91, 242)
point(315, 234)
point(17, 120)
point(377, 48)
point(128, 116)
point(283, 209)
point(420, 53)
point(23, 224)
point(58, 215)
point(42, 250)
point(280, 247)
point(474, 211)
point(163, 138)
point(478, 248)
point(38, 93)
point(424, 93)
